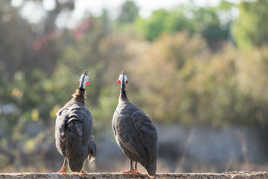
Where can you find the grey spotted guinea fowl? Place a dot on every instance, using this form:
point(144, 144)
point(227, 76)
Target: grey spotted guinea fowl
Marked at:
point(73, 130)
point(134, 132)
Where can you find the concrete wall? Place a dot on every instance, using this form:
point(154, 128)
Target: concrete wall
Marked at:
point(233, 175)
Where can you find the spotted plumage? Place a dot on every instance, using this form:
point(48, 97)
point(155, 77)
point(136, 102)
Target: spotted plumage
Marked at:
point(73, 131)
point(135, 133)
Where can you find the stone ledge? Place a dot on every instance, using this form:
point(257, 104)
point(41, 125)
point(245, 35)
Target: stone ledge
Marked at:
point(230, 175)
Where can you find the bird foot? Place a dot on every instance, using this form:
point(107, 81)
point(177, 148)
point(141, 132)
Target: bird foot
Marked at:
point(62, 170)
point(151, 176)
point(133, 171)
point(83, 172)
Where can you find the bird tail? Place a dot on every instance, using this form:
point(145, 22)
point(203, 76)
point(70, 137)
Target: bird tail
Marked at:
point(75, 164)
point(92, 150)
point(151, 168)
point(91, 158)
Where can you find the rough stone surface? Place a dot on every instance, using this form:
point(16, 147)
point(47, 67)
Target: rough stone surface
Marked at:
point(230, 175)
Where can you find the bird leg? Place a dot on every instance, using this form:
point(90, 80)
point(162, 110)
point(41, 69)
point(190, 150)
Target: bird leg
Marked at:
point(83, 172)
point(131, 170)
point(136, 168)
point(64, 167)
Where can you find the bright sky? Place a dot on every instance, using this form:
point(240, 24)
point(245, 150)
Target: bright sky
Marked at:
point(146, 6)
point(33, 12)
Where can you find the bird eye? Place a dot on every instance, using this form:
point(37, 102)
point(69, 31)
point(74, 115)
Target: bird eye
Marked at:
point(118, 82)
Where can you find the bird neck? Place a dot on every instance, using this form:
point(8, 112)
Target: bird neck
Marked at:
point(123, 94)
point(79, 95)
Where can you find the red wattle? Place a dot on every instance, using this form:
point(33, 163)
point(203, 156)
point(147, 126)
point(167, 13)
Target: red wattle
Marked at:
point(88, 83)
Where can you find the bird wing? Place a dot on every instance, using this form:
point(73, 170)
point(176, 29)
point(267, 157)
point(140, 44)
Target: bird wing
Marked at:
point(127, 137)
point(148, 137)
point(147, 134)
point(138, 135)
point(126, 134)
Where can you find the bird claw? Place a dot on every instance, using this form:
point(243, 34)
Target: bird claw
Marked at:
point(62, 171)
point(83, 172)
point(150, 176)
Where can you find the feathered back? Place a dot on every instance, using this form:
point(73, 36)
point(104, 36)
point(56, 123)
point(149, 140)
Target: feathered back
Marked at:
point(74, 133)
point(75, 111)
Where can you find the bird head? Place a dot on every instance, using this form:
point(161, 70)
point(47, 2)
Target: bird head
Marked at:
point(84, 81)
point(122, 79)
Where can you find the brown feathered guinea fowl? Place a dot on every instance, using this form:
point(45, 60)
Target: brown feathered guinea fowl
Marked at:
point(73, 131)
point(134, 132)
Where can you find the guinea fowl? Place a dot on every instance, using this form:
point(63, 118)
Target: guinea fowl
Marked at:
point(134, 132)
point(73, 131)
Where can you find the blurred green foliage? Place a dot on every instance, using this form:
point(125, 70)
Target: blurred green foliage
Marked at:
point(164, 21)
point(189, 84)
point(213, 23)
point(251, 27)
point(185, 69)
point(128, 13)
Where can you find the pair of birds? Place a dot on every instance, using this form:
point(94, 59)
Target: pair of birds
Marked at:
point(133, 130)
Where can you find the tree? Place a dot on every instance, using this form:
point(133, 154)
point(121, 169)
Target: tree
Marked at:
point(214, 30)
point(128, 13)
point(162, 73)
point(161, 21)
point(251, 27)
point(204, 20)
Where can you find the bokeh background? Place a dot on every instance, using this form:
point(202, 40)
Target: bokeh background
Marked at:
point(198, 68)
